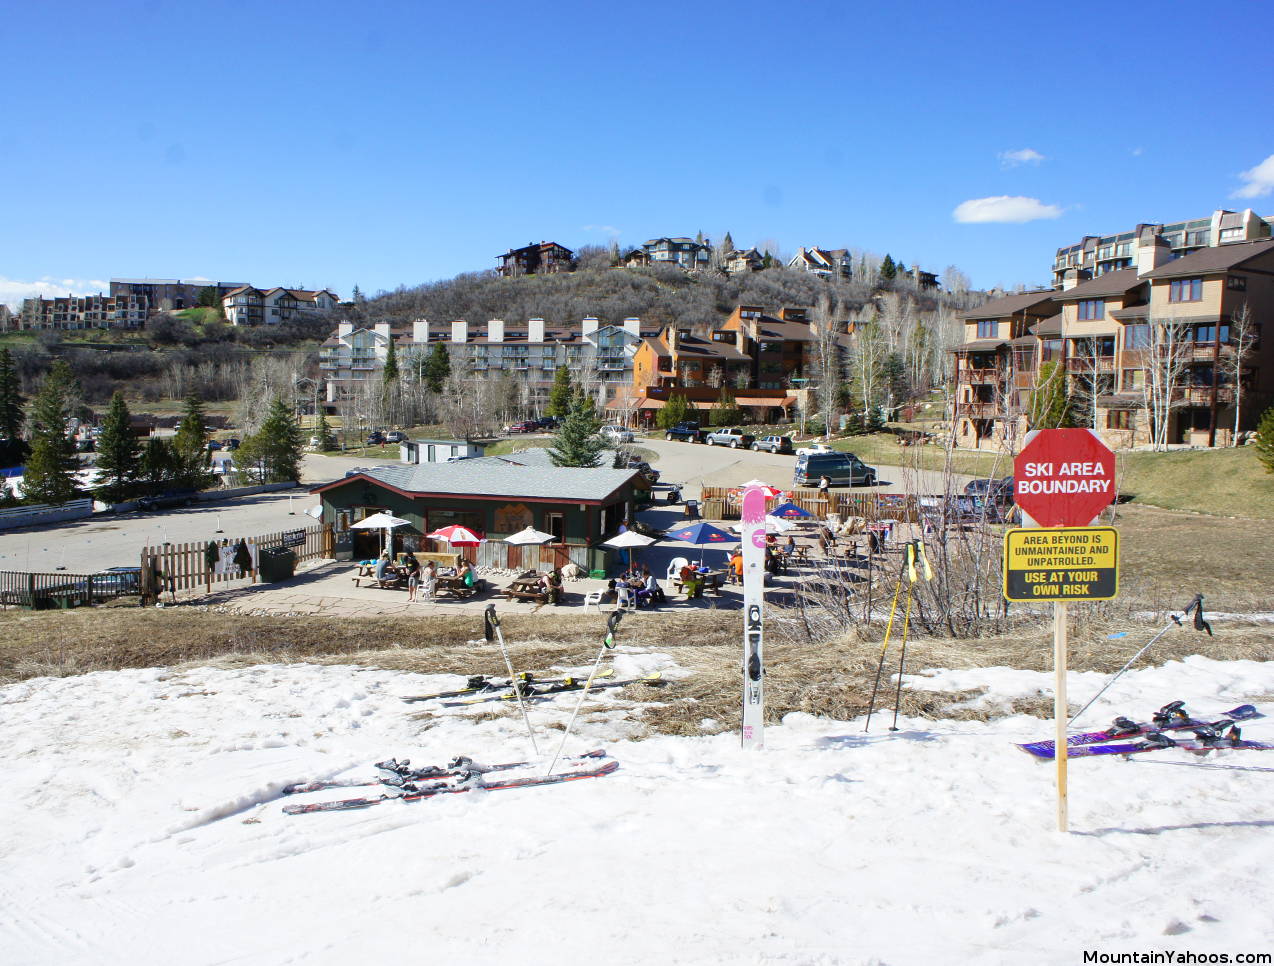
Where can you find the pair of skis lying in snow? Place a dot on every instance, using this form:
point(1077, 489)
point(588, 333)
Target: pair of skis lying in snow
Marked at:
point(403, 783)
point(482, 689)
point(1222, 733)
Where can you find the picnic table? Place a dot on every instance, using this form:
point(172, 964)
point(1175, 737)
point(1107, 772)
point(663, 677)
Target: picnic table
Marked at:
point(527, 586)
point(453, 585)
point(395, 578)
point(712, 580)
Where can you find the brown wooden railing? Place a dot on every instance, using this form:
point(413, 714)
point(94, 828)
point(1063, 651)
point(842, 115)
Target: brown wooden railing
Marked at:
point(40, 591)
point(186, 566)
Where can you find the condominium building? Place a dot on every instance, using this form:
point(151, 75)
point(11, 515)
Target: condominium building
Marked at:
point(1151, 351)
point(351, 355)
point(246, 305)
point(687, 253)
point(546, 258)
point(1099, 254)
point(85, 312)
point(170, 294)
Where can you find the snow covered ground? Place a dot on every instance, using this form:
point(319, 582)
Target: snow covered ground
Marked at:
point(141, 823)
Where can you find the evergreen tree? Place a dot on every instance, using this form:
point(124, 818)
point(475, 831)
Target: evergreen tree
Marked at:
point(726, 412)
point(577, 442)
point(326, 438)
point(768, 260)
point(50, 468)
point(12, 448)
point(1050, 405)
point(357, 296)
point(390, 371)
point(437, 368)
point(887, 268)
point(612, 253)
point(560, 396)
point(190, 446)
point(676, 410)
point(118, 457)
point(274, 451)
point(159, 466)
point(1265, 440)
point(727, 244)
point(208, 297)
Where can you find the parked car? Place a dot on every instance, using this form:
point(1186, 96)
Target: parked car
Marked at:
point(616, 434)
point(688, 432)
point(1001, 490)
point(121, 581)
point(734, 438)
point(167, 500)
point(774, 444)
point(375, 438)
point(232, 443)
point(524, 426)
point(395, 436)
point(214, 445)
point(637, 463)
point(809, 449)
point(546, 422)
point(841, 469)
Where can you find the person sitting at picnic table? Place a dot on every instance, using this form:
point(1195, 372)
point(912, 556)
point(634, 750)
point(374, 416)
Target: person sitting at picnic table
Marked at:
point(791, 544)
point(552, 584)
point(736, 566)
point(469, 577)
point(691, 582)
point(413, 576)
point(382, 568)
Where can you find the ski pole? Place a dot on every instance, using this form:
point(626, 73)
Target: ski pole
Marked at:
point(871, 705)
point(608, 642)
point(491, 627)
point(906, 622)
point(1200, 624)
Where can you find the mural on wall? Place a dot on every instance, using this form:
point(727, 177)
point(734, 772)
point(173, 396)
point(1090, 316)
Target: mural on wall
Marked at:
point(512, 517)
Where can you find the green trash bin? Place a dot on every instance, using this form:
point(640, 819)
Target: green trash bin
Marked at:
point(277, 563)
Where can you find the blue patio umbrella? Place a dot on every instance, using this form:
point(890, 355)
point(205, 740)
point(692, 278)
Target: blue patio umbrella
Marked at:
point(702, 534)
point(790, 511)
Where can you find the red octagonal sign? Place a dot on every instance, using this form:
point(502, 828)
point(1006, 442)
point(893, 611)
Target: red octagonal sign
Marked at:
point(1063, 477)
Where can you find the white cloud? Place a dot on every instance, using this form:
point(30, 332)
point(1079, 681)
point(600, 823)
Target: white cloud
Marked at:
point(1011, 159)
point(1004, 208)
point(1138, 151)
point(604, 229)
point(12, 291)
point(1260, 180)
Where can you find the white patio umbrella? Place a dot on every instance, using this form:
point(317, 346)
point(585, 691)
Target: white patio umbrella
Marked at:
point(529, 536)
point(381, 521)
point(628, 541)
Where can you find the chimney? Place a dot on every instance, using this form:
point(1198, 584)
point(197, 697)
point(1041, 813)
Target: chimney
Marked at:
point(534, 330)
point(495, 330)
point(460, 332)
point(420, 331)
point(670, 335)
point(382, 329)
point(590, 325)
point(1153, 250)
point(1073, 276)
point(632, 326)
point(343, 329)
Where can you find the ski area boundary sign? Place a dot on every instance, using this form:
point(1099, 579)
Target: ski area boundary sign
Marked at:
point(1063, 477)
point(1061, 564)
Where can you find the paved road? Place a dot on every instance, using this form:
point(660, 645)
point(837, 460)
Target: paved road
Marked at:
point(698, 465)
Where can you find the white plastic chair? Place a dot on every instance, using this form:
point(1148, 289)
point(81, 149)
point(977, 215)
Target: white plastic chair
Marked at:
point(625, 599)
point(674, 568)
point(593, 597)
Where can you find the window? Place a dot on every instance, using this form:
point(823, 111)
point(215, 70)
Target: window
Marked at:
point(1092, 309)
point(988, 329)
point(1186, 290)
point(1236, 283)
point(1119, 419)
point(1208, 333)
point(1132, 380)
point(1230, 234)
point(1137, 336)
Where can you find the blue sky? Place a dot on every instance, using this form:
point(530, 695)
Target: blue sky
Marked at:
point(386, 144)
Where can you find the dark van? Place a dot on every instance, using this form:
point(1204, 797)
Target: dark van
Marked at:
point(841, 469)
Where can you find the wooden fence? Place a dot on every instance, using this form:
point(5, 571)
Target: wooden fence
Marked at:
point(41, 591)
point(505, 556)
point(722, 503)
point(191, 566)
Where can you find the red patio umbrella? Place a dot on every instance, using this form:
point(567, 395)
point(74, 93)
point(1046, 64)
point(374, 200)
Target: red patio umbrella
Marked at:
point(458, 536)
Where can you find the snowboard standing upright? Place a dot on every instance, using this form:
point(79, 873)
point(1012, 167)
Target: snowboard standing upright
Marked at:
point(753, 536)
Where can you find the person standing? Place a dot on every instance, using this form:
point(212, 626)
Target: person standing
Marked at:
point(429, 582)
point(413, 577)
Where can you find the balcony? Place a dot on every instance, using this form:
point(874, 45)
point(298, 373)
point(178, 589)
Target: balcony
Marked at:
point(1202, 395)
point(981, 377)
point(980, 410)
point(1085, 364)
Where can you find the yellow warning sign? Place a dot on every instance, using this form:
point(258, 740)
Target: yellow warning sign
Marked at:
point(1061, 563)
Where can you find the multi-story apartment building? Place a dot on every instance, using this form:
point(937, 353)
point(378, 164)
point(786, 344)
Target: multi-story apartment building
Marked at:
point(752, 349)
point(686, 253)
point(827, 262)
point(246, 305)
point(351, 355)
point(85, 312)
point(7, 319)
point(546, 258)
point(1110, 253)
point(1146, 352)
point(169, 294)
